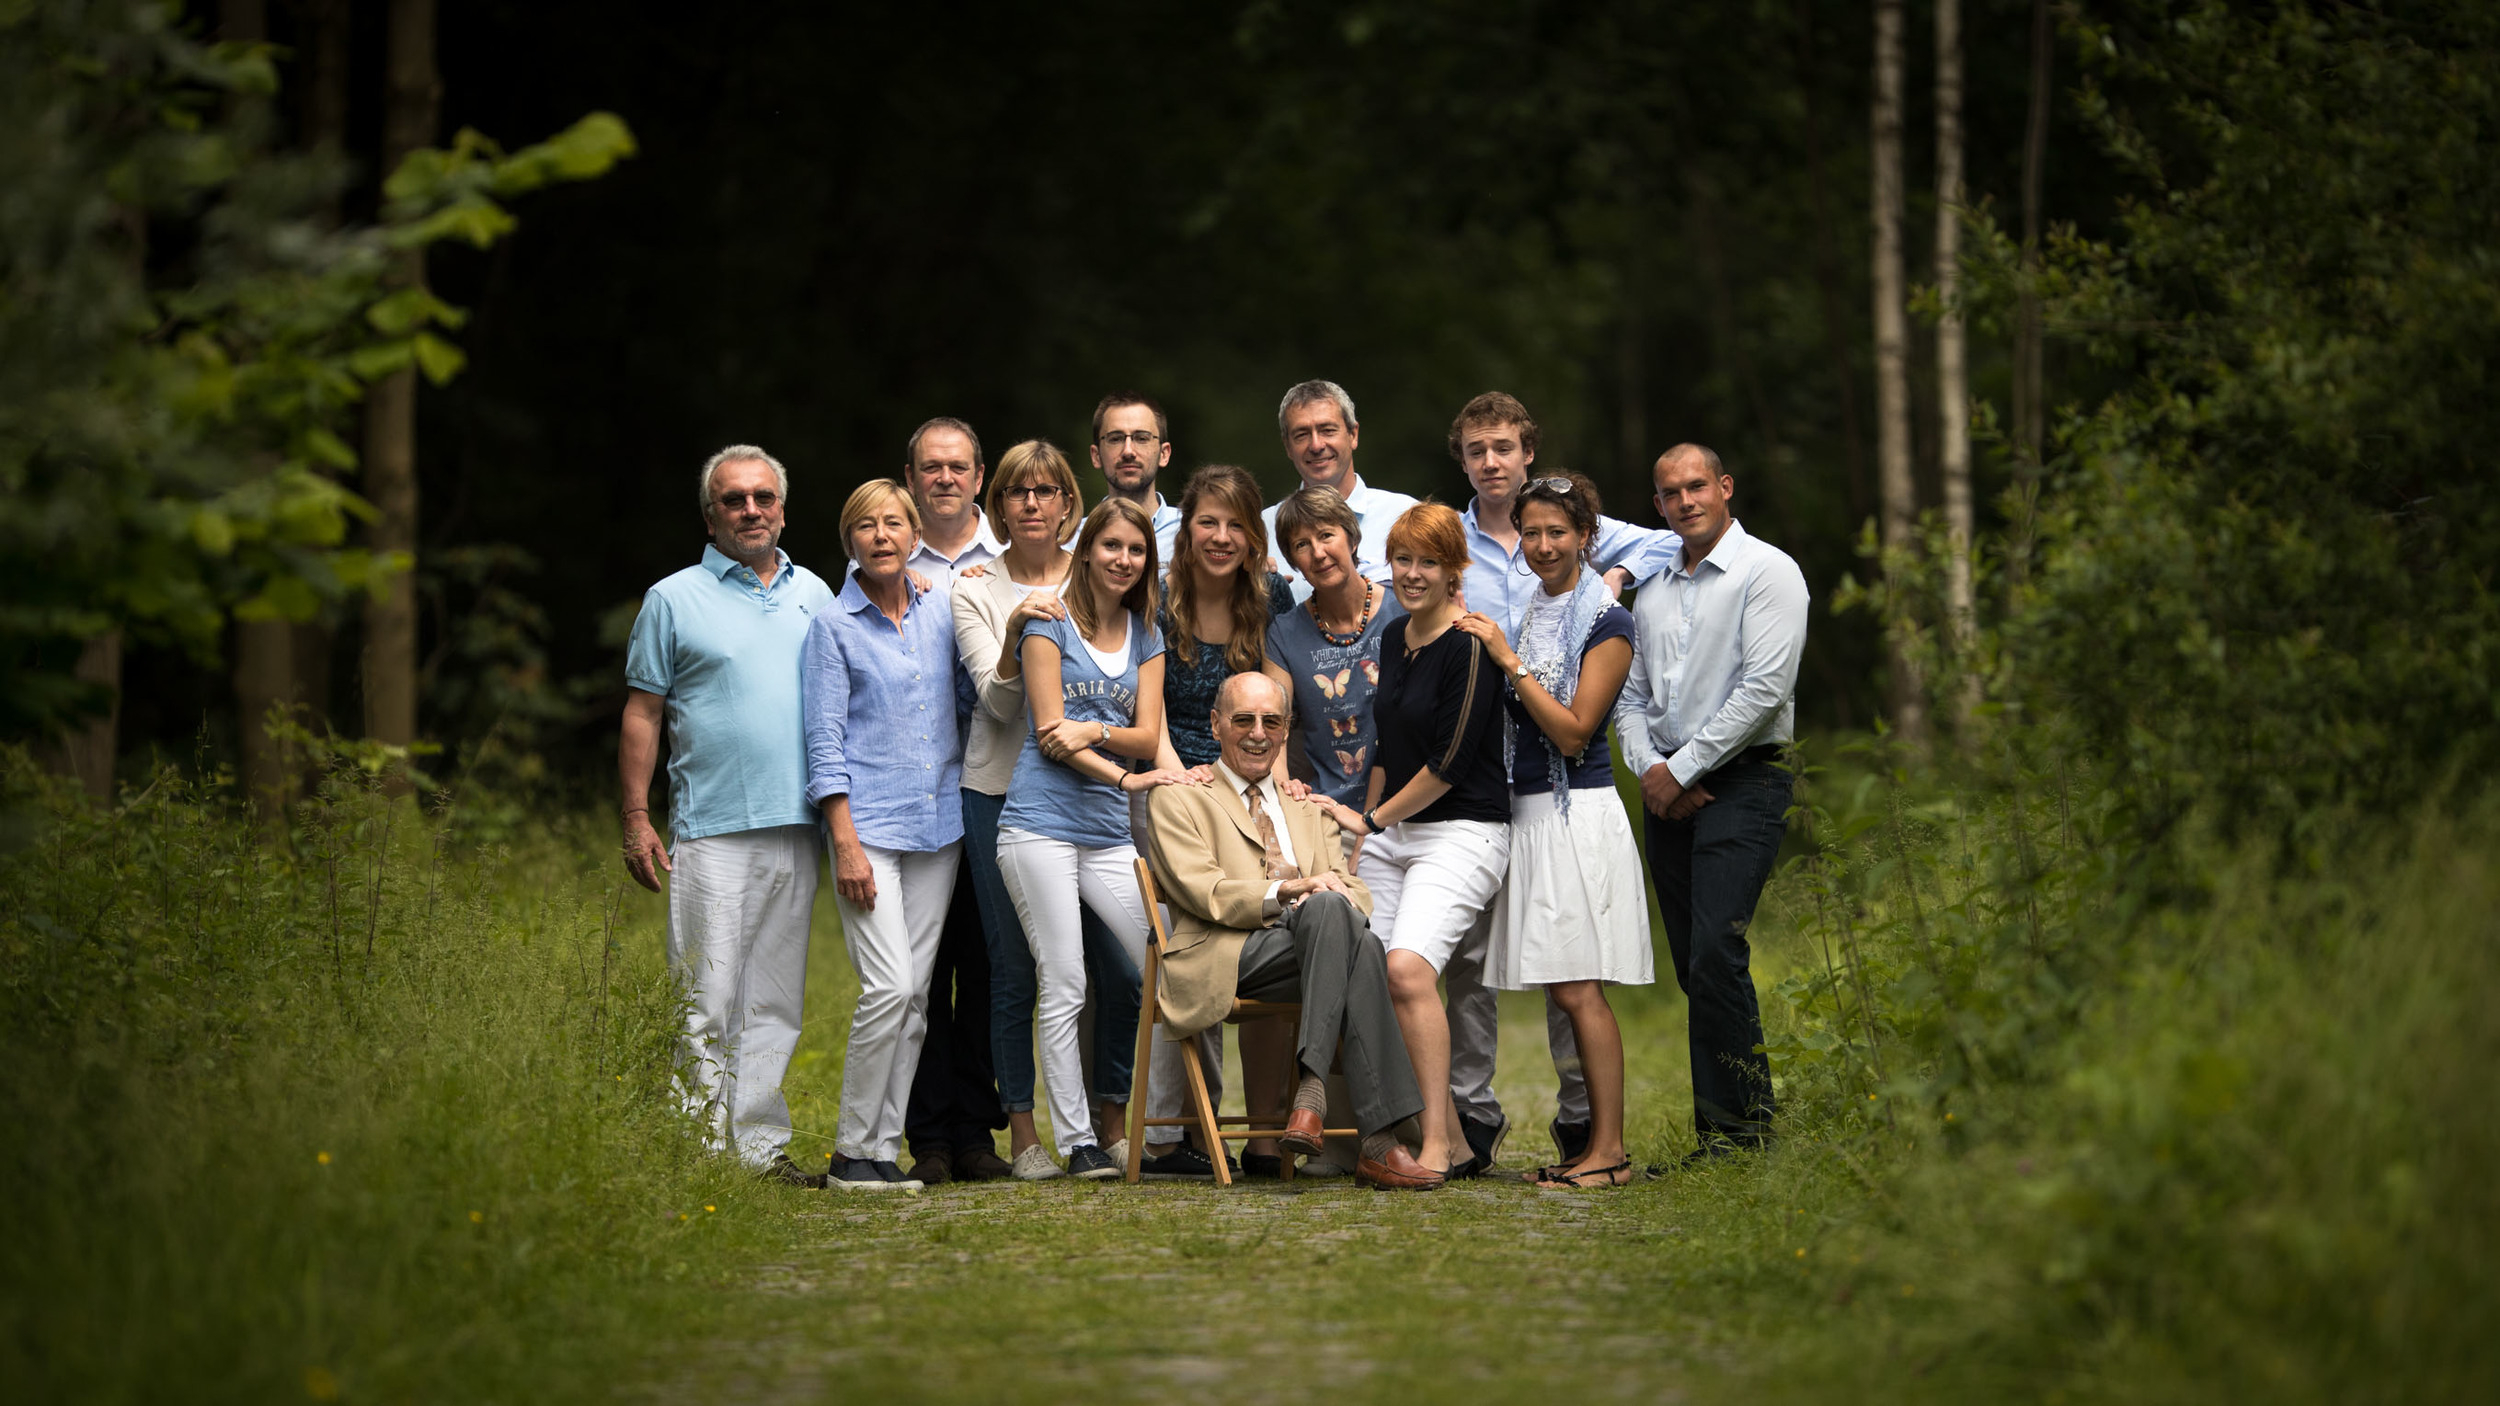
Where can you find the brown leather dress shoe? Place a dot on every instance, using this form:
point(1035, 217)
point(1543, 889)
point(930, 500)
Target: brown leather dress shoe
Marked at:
point(1302, 1132)
point(1399, 1171)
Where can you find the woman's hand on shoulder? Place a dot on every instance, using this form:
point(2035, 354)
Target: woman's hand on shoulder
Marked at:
point(1160, 776)
point(1037, 605)
point(1483, 628)
point(1293, 788)
point(973, 573)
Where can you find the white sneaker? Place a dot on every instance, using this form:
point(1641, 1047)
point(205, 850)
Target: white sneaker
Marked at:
point(1034, 1164)
point(1118, 1153)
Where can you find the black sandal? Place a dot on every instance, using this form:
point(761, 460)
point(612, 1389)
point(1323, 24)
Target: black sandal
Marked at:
point(1578, 1181)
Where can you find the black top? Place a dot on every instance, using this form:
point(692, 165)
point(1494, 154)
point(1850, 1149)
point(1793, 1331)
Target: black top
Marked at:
point(1441, 707)
point(1189, 685)
point(1530, 771)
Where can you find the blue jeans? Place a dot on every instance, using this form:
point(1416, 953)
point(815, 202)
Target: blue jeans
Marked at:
point(1709, 870)
point(1111, 976)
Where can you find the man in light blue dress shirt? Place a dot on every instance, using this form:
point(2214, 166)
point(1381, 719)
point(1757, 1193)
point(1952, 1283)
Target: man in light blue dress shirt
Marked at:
point(1132, 444)
point(715, 656)
point(1494, 440)
point(1320, 433)
point(1709, 706)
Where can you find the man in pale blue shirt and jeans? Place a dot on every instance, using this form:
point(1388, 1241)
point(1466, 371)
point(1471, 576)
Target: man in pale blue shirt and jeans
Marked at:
point(715, 654)
point(1709, 706)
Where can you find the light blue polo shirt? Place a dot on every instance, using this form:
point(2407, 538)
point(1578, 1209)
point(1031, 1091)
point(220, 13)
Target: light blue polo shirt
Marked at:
point(723, 649)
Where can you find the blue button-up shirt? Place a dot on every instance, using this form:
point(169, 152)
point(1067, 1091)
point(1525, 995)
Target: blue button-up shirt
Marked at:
point(723, 649)
point(1715, 651)
point(879, 704)
point(1499, 584)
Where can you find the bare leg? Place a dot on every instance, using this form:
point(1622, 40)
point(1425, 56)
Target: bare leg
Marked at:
point(1264, 1058)
point(1415, 989)
point(1021, 1133)
point(1601, 1061)
point(1110, 1123)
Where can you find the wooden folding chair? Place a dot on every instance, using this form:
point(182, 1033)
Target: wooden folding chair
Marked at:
point(1212, 1134)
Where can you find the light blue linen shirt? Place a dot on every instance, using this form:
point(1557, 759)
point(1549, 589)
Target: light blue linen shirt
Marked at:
point(723, 649)
point(1167, 530)
point(1500, 585)
point(1376, 510)
point(879, 705)
point(1714, 659)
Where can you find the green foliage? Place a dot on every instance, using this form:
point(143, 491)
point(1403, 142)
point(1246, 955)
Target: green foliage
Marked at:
point(183, 340)
point(2264, 578)
point(386, 1114)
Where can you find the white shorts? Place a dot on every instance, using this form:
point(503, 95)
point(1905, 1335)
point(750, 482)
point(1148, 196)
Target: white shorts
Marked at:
point(1430, 882)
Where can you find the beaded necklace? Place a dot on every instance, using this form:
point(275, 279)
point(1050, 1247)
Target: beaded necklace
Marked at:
point(1370, 597)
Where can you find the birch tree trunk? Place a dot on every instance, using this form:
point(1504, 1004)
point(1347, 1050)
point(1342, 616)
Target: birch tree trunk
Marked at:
point(1892, 364)
point(1952, 362)
point(412, 93)
point(2030, 415)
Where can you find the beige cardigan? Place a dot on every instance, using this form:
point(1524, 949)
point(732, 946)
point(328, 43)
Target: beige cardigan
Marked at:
point(999, 725)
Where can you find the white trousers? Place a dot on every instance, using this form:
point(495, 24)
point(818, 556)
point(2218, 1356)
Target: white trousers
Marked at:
point(893, 947)
point(1431, 882)
point(1050, 881)
point(737, 938)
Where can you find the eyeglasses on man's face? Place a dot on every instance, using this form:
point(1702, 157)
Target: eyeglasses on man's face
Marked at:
point(1141, 438)
point(763, 498)
point(1037, 492)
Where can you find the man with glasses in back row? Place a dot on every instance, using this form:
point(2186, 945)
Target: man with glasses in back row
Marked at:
point(1132, 444)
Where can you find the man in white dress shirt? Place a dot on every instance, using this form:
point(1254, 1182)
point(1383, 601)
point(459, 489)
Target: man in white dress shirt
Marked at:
point(1132, 444)
point(954, 1106)
point(1317, 422)
point(1709, 706)
point(942, 467)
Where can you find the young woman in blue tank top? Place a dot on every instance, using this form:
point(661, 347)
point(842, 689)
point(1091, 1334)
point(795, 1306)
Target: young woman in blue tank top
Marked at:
point(1094, 690)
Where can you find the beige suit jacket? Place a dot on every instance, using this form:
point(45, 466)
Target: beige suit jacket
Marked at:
point(1212, 871)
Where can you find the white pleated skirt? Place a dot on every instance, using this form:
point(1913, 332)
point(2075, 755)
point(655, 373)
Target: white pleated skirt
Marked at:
point(1571, 908)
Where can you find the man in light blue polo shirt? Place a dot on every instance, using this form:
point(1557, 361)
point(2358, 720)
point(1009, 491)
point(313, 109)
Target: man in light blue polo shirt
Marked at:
point(715, 653)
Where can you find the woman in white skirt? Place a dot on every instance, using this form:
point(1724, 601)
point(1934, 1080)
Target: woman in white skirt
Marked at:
point(1571, 917)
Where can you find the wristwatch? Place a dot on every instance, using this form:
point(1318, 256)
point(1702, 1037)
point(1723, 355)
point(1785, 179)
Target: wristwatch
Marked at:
point(1519, 670)
point(1371, 822)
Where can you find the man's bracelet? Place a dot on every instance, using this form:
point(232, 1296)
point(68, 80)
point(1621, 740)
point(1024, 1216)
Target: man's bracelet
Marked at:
point(634, 810)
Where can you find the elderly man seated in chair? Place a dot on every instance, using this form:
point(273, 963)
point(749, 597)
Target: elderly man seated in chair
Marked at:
point(1265, 910)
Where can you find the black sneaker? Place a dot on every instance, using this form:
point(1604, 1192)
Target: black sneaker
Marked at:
point(1267, 1165)
point(1090, 1163)
point(1571, 1141)
point(1485, 1139)
point(1179, 1159)
point(785, 1171)
point(861, 1174)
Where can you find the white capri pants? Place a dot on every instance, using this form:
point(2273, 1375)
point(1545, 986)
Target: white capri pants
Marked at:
point(1050, 880)
point(893, 947)
point(1429, 882)
point(737, 938)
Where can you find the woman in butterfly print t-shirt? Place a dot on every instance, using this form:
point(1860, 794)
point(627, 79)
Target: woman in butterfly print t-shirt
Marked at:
point(1331, 644)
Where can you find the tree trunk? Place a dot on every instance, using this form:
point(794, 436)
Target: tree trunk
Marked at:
point(1892, 369)
point(412, 93)
point(2030, 415)
point(87, 752)
point(1952, 362)
point(1827, 275)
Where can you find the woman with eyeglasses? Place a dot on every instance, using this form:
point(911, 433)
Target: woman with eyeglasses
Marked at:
point(877, 697)
point(1033, 500)
point(1571, 918)
point(1093, 691)
point(1437, 809)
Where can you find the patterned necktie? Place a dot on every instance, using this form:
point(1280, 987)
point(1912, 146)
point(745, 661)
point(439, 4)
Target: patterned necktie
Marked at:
point(1277, 868)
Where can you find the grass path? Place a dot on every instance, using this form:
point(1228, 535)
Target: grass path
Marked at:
point(1064, 1291)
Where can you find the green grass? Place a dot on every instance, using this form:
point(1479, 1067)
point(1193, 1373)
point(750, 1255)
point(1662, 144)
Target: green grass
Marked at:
point(2245, 1151)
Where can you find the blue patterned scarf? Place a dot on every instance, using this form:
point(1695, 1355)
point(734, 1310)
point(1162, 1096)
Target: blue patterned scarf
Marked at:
point(1559, 674)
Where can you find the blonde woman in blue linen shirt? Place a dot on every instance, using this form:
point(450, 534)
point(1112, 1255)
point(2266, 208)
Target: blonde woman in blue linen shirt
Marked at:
point(884, 758)
point(1093, 685)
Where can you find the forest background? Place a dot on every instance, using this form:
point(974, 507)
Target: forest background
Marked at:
point(2132, 955)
